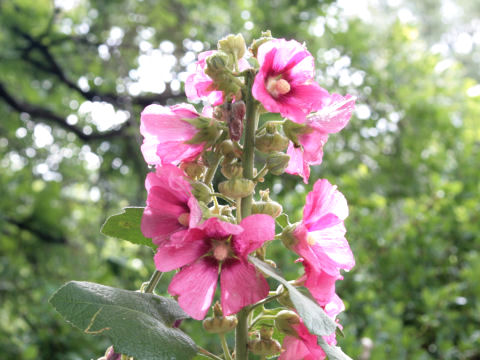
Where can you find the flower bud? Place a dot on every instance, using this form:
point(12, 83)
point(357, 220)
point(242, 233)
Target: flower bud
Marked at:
point(284, 298)
point(266, 36)
point(277, 163)
point(285, 320)
point(264, 347)
point(233, 44)
point(110, 354)
point(270, 140)
point(192, 169)
point(223, 79)
point(219, 325)
point(216, 64)
point(266, 205)
point(293, 130)
point(201, 192)
point(287, 236)
point(208, 131)
point(236, 187)
point(231, 170)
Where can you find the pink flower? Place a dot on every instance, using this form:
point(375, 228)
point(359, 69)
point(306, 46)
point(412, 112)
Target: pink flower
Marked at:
point(320, 238)
point(332, 118)
point(285, 82)
point(171, 207)
point(304, 346)
point(217, 247)
point(165, 133)
point(320, 284)
point(200, 86)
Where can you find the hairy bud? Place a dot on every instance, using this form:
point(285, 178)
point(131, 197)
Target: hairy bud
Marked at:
point(277, 163)
point(233, 44)
point(265, 346)
point(233, 170)
point(284, 298)
point(270, 140)
point(192, 169)
point(219, 324)
point(236, 187)
point(266, 36)
point(285, 320)
point(201, 192)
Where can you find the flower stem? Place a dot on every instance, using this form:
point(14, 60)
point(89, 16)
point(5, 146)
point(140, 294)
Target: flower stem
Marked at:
point(226, 351)
point(208, 354)
point(248, 160)
point(212, 170)
point(152, 284)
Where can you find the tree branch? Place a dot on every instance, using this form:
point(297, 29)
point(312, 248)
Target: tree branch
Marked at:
point(50, 116)
point(54, 68)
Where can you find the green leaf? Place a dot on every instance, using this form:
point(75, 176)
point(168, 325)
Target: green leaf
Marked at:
point(126, 226)
point(313, 316)
point(138, 324)
point(332, 352)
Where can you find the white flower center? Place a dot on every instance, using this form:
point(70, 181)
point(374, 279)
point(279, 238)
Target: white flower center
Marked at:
point(221, 250)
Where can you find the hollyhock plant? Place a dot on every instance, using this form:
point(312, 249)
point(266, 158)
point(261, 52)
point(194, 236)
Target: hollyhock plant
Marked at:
point(171, 207)
point(210, 219)
point(285, 81)
point(165, 134)
point(217, 247)
point(320, 237)
point(331, 118)
point(199, 86)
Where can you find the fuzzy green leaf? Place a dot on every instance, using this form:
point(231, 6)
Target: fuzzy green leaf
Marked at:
point(313, 316)
point(126, 226)
point(138, 324)
point(332, 352)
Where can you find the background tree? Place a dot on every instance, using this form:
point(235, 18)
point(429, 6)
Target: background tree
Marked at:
point(74, 76)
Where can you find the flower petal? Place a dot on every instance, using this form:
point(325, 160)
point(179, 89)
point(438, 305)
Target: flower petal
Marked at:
point(195, 287)
point(334, 116)
point(217, 229)
point(296, 164)
point(241, 285)
point(184, 248)
point(325, 206)
point(256, 230)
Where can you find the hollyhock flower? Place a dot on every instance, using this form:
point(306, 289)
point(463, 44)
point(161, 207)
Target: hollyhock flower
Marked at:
point(171, 208)
point(332, 118)
point(214, 248)
point(320, 237)
point(320, 284)
point(166, 133)
point(200, 86)
point(285, 82)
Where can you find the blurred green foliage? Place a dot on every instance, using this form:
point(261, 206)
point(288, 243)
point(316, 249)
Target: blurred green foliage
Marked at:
point(408, 162)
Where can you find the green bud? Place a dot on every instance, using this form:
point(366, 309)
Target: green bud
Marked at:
point(236, 187)
point(192, 169)
point(233, 170)
point(201, 192)
point(269, 142)
point(284, 298)
point(233, 44)
point(216, 64)
point(266, 36)
point(284, 321)
point(208, 131)
point(287, 236)
point(263, 347)
point(293, 130)
point(271, 208)
point(277, 162)
point(220, 325)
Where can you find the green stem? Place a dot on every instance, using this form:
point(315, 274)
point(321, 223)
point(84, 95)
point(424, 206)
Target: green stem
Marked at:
point(261, 173)
point(239, 210)
point(248, 160)
point(208, 354)
point(221, 196)
point(212, 170)
point(152, 284)
point(225, 349)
